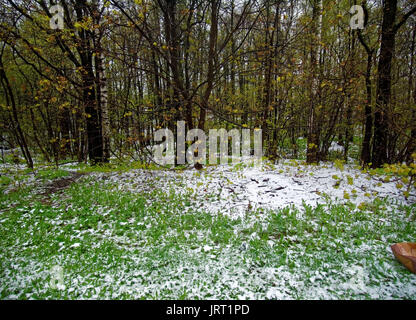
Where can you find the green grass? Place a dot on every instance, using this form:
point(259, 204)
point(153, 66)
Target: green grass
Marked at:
point(5, 181)
point(117, 166)
point(155, 245)
point(51, 174)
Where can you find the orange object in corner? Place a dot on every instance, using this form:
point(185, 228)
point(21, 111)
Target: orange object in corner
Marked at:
point(405, 252)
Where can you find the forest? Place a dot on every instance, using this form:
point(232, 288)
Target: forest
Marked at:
point(119, 70)
point(85, 85)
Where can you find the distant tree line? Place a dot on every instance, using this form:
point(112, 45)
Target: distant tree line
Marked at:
point(119, 70)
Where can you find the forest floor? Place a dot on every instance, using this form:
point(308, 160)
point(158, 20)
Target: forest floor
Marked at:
point(284, 231)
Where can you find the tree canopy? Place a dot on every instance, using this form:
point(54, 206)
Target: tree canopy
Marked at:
point(119, 70)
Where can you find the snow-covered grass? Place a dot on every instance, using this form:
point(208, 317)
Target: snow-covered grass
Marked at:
point(285, 231)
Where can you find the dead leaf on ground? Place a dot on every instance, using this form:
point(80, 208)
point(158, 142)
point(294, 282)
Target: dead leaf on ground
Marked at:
point(405, 252)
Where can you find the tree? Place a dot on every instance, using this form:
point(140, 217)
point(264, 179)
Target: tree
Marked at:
point(313, 137)
point(383, 95)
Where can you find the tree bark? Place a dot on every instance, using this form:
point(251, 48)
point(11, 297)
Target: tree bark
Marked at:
point(412, 142)
point(215, 4)
point(383, 95)
point(313, 138)
point(368, 114)
point(89, 96)
point(105, 117)
point(10, 99)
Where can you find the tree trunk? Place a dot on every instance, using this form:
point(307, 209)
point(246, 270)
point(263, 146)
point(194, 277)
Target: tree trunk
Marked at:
point(271, 43)
point(10, 99)
point(313, 139)
point(105, 117)
point(368, 115)
point(411, 147)
point(89, 96)
point(215, 4)
point(381, 115)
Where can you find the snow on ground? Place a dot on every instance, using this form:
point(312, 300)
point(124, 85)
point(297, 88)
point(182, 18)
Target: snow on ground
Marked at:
point(206, 269)
point(233, 190)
